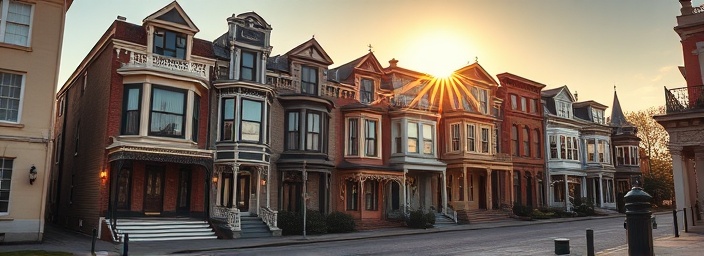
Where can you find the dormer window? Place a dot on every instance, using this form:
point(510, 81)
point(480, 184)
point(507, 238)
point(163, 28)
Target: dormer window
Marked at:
point(309, 80)
point(248, 69)
point(598, 116)
point(366, 94)
point(564, 109)
point(169, 44)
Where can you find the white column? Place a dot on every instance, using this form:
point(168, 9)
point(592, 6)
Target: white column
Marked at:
point(259, 187)
point(444, 192)
point(405, 192)
point(699, 158)
point(567, 193)
point(601, 191)
point(268, 184)
point(690, 187)
point(235, 170)
point(678, 177)
point(263, 68)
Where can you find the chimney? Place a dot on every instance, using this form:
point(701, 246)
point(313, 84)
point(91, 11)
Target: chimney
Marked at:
point(121, 18)
point(686, 7)
point(393, 62)
point(576, 96)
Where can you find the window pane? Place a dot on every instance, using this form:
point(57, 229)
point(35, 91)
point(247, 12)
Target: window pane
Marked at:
point(252, 110)
point(167, 112)
point(10, 88)
point(412, 130)
point(168, 101)
point(427, 132)
point(250, 131)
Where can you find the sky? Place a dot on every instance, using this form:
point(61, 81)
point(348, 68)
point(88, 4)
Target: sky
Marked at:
point(590, 46)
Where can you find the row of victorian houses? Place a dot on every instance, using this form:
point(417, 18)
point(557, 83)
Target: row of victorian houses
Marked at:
point(158, 123)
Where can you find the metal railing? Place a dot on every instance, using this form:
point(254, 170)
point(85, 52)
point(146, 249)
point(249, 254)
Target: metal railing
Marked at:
point(229, 215)
point(269, 217)
point(684, 99)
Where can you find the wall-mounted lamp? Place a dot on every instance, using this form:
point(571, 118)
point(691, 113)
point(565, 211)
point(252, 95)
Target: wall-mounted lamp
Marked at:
point(32, 175)
point(263, 182)
point(103, 174)
point(215, 179)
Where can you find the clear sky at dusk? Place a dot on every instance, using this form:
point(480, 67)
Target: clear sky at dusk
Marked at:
point(590, 46)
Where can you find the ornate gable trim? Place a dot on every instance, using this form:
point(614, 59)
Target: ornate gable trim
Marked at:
point(165, 16)
point(311, 50)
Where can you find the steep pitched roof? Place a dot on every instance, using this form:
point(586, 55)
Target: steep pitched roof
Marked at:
point(367, 62)
point(618, 119)
point(310, 50)
point(172, 14)
point(476, 72)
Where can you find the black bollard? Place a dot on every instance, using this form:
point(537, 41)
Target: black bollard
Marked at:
point(590, 242)
point(674, 218)
point(693, 222)
point(92, 244)
point(126, 246)
point(684, 214)
point(639, 228)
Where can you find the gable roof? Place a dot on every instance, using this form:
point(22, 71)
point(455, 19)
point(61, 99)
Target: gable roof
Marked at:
point(550, 93)
point(174, 15)
point(343, 73)
point(311, 50)
point(475, 71)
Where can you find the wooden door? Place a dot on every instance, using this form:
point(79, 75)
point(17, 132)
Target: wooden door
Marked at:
point(154, 190)
point(183, 201)
point(242, 196)
point(482, 192)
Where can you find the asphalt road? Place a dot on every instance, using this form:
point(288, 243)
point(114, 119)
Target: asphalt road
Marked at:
point(525, 240)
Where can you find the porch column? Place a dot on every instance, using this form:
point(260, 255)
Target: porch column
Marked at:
point(268, 184)
point(444, 192)
point(259, 187)
point(405, 192)
point(583, 188)
point(691, 177)
point(511, 187)
point(489, 203)
point(678, 177)
point(699, 158)
point(465, 188)
point(235, 170)
point(567, 194)
point(601, 190)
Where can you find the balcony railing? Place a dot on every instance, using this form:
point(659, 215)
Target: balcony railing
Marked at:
point(158, 61)
point(684, 99)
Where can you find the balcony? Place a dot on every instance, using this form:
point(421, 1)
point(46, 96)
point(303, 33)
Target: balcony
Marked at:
point(142, 60)
point(685, 99)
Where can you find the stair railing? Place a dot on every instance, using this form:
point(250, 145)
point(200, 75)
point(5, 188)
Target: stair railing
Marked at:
point(270, 217)
point(230, 215)
point(450, 213)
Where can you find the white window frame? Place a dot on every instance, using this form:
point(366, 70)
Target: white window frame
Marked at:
point(564, 109)
point(471, 147)
point(455, 135)
point(21, 98)
point(361, 136)
point(486, 140)
point(422, 127)
point(9, 189)
point(4, 9)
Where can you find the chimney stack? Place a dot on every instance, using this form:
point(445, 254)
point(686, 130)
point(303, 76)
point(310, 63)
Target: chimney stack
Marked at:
point(121, 18)
point(393, 63)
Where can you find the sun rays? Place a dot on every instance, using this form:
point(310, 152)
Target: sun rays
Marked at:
point(430, 92)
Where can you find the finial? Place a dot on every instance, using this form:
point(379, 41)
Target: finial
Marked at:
point(370, 47)
point(476, 59)
point(313, 35)
point(614, 87)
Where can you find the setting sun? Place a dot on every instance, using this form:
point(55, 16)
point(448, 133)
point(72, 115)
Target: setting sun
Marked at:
point(440, 52)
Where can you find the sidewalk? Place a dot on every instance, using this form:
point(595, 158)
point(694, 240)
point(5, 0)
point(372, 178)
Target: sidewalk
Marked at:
point(57, 239)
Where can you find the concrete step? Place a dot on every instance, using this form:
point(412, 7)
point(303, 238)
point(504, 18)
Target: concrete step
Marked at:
point(155, 229)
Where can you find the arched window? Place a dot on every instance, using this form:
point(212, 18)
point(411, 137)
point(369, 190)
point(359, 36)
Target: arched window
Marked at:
point(514, 140)
point(526, 141)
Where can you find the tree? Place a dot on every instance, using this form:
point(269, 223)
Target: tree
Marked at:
point(654, 141)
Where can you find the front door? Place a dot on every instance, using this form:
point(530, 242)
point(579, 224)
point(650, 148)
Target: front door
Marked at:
point(154, 190)
point(242, 196)
point(184, 191)
point(482, 192)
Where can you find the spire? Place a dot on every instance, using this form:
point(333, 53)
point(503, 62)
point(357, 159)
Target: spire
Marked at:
point(617, 117)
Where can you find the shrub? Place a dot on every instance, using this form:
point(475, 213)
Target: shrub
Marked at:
point(542, 214)
point(420, 219)
point(584, 207)
point(521, 210)
point(291, 223)
point(339, 222)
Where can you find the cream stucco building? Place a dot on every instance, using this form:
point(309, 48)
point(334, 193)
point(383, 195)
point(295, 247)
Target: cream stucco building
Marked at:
point(31, 34)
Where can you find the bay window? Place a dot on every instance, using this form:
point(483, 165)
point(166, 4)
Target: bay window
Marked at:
point(251, 123)
point(397, 138)
point(370, 138)
point(167, 112)
point(471, 138)
point(485, 140)
point(309, 80)
point(553, 147)
point(602, 151)
point(313, 132)
point(353, 135)
point(228, 119)
point(292, 131)
point(427, 139)
point(412, 137)
point(566, 149)
point(371, 195)
point(455, 136)
point(15, 22)
point(591, 145)
point(131, 109)
point(627, 155)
